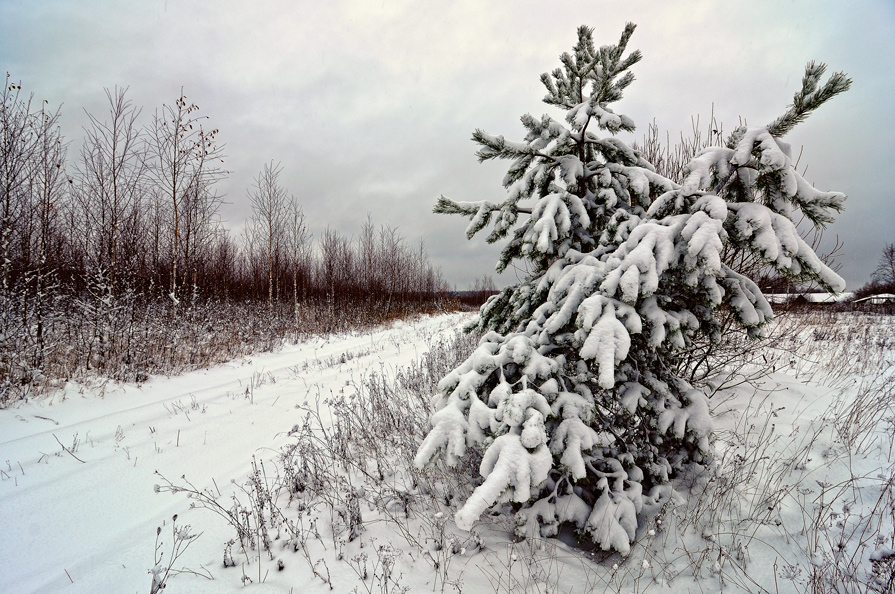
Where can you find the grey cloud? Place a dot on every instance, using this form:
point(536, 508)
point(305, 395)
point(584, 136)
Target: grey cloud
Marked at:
point(370, 105)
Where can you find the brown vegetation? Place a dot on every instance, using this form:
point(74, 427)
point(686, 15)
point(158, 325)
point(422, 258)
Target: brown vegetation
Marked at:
point(118, 264)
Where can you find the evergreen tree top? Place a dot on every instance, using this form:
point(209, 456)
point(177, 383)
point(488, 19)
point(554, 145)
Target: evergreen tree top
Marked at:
point(593, 71)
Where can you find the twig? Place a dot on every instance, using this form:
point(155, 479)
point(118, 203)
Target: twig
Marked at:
point(69, 576)
point(68, 450)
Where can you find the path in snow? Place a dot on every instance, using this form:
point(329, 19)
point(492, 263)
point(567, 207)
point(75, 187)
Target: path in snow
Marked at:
point(90, 526)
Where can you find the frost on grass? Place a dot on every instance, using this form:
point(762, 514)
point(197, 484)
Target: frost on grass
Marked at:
point(580, 394)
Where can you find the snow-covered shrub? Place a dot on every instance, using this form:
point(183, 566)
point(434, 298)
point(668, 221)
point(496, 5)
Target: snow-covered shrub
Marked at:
point(576, 395)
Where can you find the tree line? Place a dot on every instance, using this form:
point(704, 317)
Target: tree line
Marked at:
point(115, 259)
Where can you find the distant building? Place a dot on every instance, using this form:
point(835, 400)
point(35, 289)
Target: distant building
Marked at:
point(808, 298)
point(881, 299)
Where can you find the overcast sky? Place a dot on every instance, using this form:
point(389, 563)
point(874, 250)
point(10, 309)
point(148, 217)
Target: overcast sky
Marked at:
point(369, 104)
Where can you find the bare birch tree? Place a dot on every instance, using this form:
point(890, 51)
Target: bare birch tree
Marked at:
point(185, 158)
point(47, 189)
point(298, 243)
point(269, 213)
point(110, 177)
point(16, 150)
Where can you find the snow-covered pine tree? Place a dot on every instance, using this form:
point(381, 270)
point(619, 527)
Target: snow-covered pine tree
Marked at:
point(575, 395)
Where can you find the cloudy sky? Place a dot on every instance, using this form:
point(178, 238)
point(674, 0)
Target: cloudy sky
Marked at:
point(369, 104)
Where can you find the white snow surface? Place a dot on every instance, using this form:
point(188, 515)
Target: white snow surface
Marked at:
point(96, 521)
point(72, 526)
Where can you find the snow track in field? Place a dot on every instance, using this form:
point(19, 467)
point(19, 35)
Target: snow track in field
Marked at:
point(80, 513)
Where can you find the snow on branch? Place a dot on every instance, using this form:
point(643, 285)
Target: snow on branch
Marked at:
point(810, 97)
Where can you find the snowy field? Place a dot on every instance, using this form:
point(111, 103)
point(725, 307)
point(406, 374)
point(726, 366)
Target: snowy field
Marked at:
point(802, 492)
point(81, 515)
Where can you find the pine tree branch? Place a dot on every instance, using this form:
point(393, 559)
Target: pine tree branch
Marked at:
point(809, 97)
point(445, 205)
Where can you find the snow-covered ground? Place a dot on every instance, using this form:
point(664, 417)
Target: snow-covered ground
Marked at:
point(76, 496)
point(804, 483)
